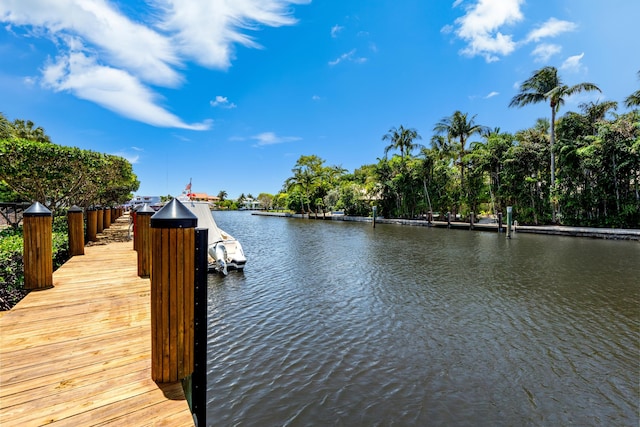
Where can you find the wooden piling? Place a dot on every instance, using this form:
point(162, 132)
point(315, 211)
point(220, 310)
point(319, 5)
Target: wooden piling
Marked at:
point(374, 213)
point(38, 247)
point(172, 290)
point(92, 225)
point(133, 219)
point(75, 224)
point(143, 226)
point(106, 218)
point(100, 220)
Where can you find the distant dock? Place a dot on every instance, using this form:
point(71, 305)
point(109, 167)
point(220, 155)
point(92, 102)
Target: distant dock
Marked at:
point(79, 353)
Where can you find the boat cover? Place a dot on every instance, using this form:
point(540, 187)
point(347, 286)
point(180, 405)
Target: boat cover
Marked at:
point(205, 219)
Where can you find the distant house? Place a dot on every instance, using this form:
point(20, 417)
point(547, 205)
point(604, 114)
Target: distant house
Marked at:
point(251, 204)
point(204, 197)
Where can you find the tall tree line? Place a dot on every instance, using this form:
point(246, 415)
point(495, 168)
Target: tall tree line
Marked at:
point(582, 168)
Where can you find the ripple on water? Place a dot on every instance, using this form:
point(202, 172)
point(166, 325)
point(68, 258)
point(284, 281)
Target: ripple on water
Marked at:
point(340, 324)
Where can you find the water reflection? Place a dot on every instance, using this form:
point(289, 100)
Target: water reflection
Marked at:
point(343, 324)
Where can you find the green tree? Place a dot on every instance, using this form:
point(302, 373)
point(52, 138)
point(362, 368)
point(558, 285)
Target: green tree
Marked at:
point(27, 130)
point(308, 176)
point(59, 176)
point(633, 100)
point(222, 195)
point(459, 127)
point(525, 174)
point(401, 139)
point(266, 200)
point(6, 128)
point(546, 86)
point(596, 112)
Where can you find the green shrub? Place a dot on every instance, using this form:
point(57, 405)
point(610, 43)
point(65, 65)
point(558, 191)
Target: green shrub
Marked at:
point(12, 262)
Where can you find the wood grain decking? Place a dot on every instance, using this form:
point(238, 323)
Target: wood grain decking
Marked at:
point(80, 353)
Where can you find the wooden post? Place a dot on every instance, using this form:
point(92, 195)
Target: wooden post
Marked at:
point(509, 220)
point(106, 218)
point(133, 223)
point(143, 219)
point(471, 220)
point(499, 222)
point(172, 290)
point(100, 220)
point(375, 212)
point(92, 224)
point(76, 231)
point(38, 247)
point(448, 219)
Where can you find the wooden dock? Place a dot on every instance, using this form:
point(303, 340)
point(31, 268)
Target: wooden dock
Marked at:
point(79, 353)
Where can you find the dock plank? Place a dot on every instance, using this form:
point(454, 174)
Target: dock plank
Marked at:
point(80, 352)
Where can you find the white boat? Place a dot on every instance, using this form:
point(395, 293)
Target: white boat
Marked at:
point(225, 252)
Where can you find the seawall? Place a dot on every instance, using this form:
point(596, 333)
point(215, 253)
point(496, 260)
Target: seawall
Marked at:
point(558, 230)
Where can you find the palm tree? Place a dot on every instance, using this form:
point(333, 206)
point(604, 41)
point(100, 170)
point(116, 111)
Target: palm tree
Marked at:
point(459, 127)
point(27, 130)
point(596, 111)
point(6, 128)
point(222, 195)
point(307, 175)
point(401, 139)
point(633, 100)
point(545, 85)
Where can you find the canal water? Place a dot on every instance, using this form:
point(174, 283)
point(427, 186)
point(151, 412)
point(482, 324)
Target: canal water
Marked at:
point(340, 324)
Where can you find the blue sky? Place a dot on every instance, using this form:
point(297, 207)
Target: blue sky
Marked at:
point(231, 93)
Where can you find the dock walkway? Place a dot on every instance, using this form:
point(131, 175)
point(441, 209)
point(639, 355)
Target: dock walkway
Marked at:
point(79, 354)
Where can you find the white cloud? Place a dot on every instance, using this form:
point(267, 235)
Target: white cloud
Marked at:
point(270, 138)
point(573, 63)
point(112, 88)
point(205, 30)
point(335, 30)
point(222, 102)
point(544, 51)
point(122, 42)
point(551, 28)
point(480, 28)
point(447, 29)
point(492, 94)
point(350, 57)
point(316, 98)
point(112, 59)
point(133, 159)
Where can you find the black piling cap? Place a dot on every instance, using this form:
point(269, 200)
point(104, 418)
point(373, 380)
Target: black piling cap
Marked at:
point(75, 208)
point(174, 215)
point(37, 209)
point(145, 210)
